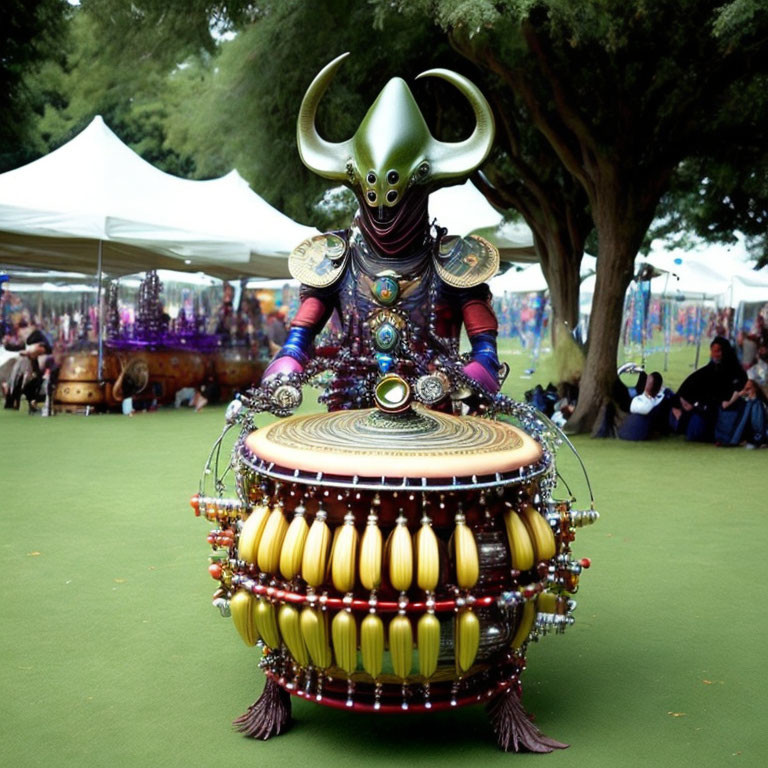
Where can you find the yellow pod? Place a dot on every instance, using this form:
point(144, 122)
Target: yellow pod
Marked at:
point(427, 558)
point(314, 629)
point(290, 629)
point(401, 645)
point(372, 644)
point(344, 636)
point(467, 639)
point(541, 533)
point(272, 541)
point(546, 602)
point(250, 534)
point(527, 618)
point(241, 609)
point(371, 547)
point(520, 545)
point(428, 643)
point(465, 554)
point(293, 546)
point(265, 618)
point(315, 559)
point(400, 557)
point(344, 557)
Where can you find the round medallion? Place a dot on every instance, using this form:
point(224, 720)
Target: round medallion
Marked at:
point(432, 388)
point(392, 393)
point(318, 260)
point(287, 396)
point(463, 262)
point(385, 337)
point(385, 290)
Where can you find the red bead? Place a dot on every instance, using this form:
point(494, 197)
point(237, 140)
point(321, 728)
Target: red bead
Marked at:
point(215, 570)
point(585, 562)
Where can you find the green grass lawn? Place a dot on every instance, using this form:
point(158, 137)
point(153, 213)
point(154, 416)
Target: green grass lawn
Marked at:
point(113, 656)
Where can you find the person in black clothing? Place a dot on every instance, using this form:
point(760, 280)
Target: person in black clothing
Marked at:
point(703, 397)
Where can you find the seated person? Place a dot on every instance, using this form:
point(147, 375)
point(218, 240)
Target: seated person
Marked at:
point(651, 396)
point(751, 418)
point(27, 377)
point(644, 410)
point(703, 398)
point(565, 406)
point(758, 372)
point(184, 396)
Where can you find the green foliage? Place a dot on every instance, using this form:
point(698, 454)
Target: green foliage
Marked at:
point(723, 188)
point(85, 82)
point(735, 22)
point(32, 35)
point(335, 209)
point(240, 108)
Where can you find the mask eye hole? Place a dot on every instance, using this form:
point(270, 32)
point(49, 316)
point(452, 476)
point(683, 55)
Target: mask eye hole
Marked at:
point(393, 177)
point(371, 178)
point(371, 196)
point(391, 195)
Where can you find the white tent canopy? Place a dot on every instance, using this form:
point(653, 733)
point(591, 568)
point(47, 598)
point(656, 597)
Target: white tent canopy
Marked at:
point(95, 191)
point(463, 209)
point(531, 279)
point(720, 273)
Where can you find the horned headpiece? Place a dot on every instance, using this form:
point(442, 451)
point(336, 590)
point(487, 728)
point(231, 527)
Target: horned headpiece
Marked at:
point(393, 147)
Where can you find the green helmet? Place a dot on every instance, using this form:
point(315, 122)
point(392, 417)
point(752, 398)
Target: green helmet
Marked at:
point(393, 148)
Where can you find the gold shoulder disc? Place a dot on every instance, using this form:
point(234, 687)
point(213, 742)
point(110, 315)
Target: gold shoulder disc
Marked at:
point(464, 262)
point(319, 260)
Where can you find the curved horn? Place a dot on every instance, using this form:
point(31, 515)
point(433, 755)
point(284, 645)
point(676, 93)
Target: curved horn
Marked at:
point(460, 158)
point(325, 158)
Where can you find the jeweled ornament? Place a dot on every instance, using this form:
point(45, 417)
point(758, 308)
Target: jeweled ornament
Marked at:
point(385, 290)
point(384, 361)
point(385, 337)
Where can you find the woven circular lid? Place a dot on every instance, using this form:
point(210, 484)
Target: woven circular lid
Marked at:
point(416, 444)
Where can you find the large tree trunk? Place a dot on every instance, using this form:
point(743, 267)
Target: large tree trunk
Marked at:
point(599, 377)
point(561, 269)
point(622, 215)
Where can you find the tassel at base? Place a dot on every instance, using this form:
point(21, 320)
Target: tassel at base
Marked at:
point(513, 728)
point(269, 716)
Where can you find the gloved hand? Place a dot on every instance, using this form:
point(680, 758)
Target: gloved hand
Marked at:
point(479, 373)
point(484, 365)
point(293, 355)
point(280, 365)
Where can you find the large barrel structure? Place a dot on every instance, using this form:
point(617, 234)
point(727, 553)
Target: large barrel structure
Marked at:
point(157, 373)
point(392, 562)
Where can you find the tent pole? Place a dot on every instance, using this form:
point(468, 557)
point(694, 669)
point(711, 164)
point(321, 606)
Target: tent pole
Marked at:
point(698, 332)
point(100, 316)
point(666, 308)
point(643, 320)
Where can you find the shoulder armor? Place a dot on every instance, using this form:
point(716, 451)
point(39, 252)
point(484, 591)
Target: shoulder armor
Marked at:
point(319, 261)
point(464, 262)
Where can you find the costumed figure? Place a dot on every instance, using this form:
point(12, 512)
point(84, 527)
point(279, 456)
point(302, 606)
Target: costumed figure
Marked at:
point(399, 552)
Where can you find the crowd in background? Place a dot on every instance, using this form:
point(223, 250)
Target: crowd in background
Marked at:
point(724, 401)
point(35, 336)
